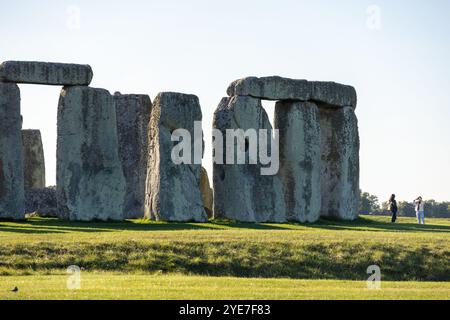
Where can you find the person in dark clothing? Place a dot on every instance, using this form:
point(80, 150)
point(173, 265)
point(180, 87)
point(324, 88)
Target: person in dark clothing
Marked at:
point(392, 205)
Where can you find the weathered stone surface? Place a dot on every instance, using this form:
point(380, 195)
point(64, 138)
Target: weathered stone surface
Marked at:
point(172, 190)
point(278, 88)
point(133, 116)
point(12, 201)
point(340, 163)
point(41, 202)
point(207, 193)
point(49, 73)
point(299, 128)
point(33, 159)
point(90, 181)
point(240, 191)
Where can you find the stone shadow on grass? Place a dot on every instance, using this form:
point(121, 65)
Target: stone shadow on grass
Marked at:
point(228, 224)
point(54, 225)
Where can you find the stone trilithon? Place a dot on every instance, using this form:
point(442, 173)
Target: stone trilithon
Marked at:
point(319, 152)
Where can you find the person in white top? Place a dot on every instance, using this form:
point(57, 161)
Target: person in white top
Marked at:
point(420, 210)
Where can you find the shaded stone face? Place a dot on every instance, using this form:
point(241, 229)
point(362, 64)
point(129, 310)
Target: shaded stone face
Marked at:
point(90, 181)
point(48, 73)
point(172, 190)
point(207, 193)
point(41, 202)
point(33, 159)
point(240, 191)
point(133, 116)
point(278, 88)
point(299, 127)
point(340, 163)
point(12, 201)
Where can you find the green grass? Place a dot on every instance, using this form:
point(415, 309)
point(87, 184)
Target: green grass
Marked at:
point(325, 250)
point(156, 287)
point(224, 260)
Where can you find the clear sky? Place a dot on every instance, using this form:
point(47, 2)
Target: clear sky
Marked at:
point(395, 53)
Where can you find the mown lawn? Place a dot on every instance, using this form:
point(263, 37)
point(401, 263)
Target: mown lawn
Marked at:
point(179, 287)
point(222, 259)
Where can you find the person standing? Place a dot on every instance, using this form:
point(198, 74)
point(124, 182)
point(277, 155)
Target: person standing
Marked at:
point(420, 210)
point(392, 206)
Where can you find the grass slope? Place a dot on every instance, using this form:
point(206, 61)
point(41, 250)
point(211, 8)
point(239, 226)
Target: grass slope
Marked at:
point(325, 250)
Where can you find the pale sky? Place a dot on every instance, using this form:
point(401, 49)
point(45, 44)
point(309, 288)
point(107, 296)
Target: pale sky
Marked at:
point(395, 53)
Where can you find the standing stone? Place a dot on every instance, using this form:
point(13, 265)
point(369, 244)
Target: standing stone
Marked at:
point(49, 73)
point(172, 190)
point(41, 202)
point(207, 193)
point(240, 191)
point(340, 163)
point(90, 181)
point(33, 159)
point(12, 200)
point(133, 116)
point(299, 127)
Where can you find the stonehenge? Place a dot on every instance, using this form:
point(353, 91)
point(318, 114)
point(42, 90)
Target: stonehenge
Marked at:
point(90, 184)
point(123, 157)
point(318, 152)
point(172, 189)
point(12, 197)
point(133, 116)
point(33, 159)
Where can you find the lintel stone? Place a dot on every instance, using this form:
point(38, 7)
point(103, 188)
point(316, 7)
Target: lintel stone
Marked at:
point(278, 88)
point(47, 73)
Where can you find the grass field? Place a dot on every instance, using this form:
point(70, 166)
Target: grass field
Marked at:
point(157, 287)
point(225, 260)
